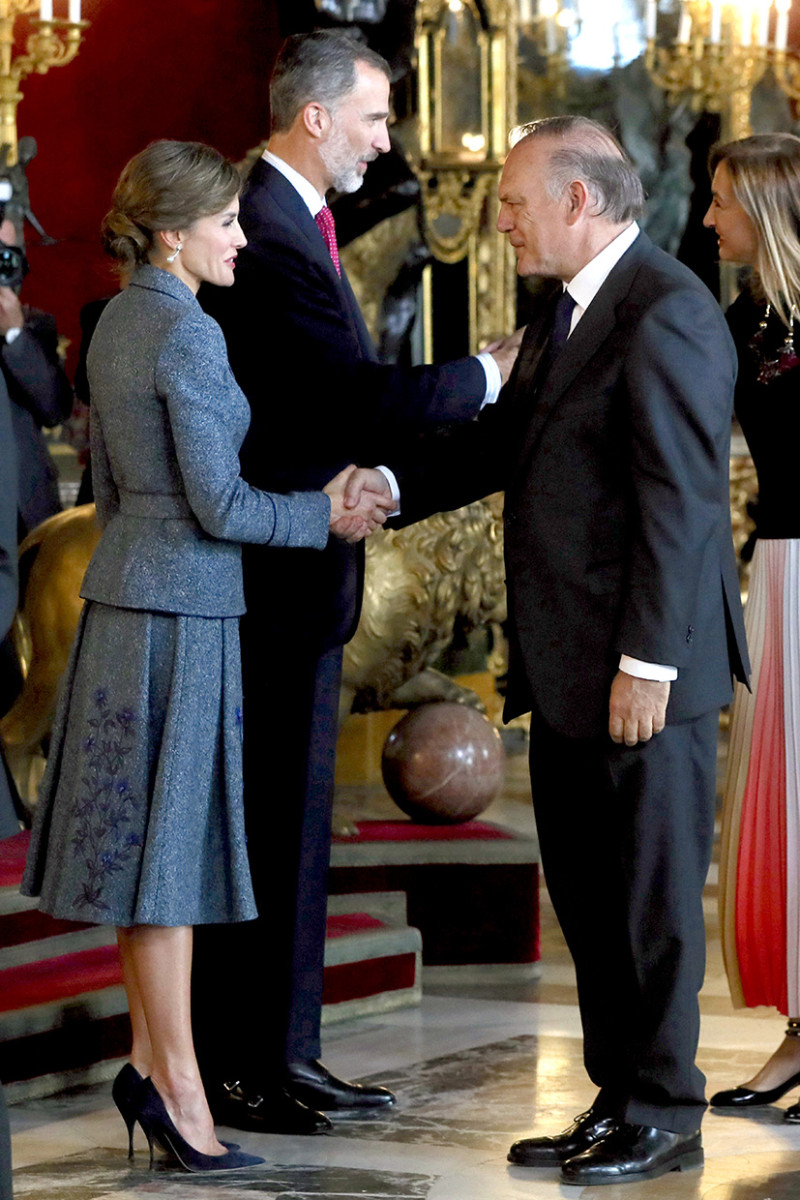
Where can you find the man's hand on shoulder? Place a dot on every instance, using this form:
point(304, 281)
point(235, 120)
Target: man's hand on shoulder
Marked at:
point(637, 708)
point(360, 502)
point(505, 351)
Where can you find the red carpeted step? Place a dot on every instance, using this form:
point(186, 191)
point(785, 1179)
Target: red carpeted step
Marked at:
point(59, 978)
point(12, 858)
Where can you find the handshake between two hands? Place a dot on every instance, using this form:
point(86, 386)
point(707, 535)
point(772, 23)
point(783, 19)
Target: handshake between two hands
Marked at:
point(361, 500)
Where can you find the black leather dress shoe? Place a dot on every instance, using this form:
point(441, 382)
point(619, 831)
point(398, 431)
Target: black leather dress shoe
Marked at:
point(632, 1153)
point(584, 1131)
point(311, 1083)
point(792, 1115)
point(271, 1110)
point(745, 1097)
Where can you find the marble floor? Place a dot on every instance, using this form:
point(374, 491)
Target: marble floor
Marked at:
point(481, 1062)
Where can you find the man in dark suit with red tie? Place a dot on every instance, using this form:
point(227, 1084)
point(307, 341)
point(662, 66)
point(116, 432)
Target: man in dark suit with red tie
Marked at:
point(611, 443)
point(320, 399)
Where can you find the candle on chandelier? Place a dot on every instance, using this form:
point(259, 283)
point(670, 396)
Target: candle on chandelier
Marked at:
point(746, 36)
point(763, 22)
point(782, 24)
point(651, 17)
point(46, 10)
point(715, 30)
point(685, 25)
point(74, 11)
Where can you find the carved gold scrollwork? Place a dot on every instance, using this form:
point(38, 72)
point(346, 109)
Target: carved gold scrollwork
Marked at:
point(453, 203)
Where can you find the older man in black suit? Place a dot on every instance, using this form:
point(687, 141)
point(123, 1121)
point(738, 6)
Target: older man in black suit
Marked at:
point(611, 443)
point(300, 349)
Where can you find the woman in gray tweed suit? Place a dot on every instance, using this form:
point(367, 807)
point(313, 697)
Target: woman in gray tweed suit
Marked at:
point(140, 820)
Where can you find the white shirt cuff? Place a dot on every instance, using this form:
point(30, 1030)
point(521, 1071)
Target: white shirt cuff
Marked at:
point(494, 380)
point(12, 334)
point(646, 670)
point(391, 479)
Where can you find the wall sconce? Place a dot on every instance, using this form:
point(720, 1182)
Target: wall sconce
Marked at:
point(54, 42)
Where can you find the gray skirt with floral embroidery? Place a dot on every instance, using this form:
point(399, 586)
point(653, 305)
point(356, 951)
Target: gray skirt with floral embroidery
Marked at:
point(140, 817)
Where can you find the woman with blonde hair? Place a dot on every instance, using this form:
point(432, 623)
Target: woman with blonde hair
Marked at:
point(755, 212)
point(140, 821)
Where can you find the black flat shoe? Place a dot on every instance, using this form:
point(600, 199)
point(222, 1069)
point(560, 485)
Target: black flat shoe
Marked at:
point(267, 1110)
point(584, 1131)
point(631, 1153)
point(314, 1085)
point(159, 1128)
point(744, 1097)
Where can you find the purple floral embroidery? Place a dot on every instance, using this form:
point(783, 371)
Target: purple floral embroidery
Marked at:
point(102, 839)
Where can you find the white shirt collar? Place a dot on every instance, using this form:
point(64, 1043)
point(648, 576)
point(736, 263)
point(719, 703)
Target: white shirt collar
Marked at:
point(584, 286)
point(308, 193)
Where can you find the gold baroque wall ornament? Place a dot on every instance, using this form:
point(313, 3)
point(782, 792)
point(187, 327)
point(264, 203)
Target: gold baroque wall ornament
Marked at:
point(453, 204)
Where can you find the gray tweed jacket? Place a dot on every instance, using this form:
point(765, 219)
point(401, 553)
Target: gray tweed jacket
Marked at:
point(167, 421)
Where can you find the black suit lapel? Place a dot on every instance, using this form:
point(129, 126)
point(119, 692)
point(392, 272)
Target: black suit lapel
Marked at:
point(267, 188)
point(594, 327)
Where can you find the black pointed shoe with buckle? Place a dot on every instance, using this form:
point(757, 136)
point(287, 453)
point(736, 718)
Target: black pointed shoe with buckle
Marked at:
point(745, 1097)
point(632, 1153)
point(313, 1084)
point(265, 1110)
point(585, 1130)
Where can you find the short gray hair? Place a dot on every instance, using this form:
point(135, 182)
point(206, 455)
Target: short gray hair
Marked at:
point(317, 66)
point(589, 152)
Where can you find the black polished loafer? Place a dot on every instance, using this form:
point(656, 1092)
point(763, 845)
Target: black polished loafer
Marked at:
point(585, 1131)
point(268, 1110)
point(745, 1097)
point(632, 1153)
point(313, 1084)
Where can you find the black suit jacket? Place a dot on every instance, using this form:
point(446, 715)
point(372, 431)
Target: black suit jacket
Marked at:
point(319, 398)
point(40, 396)
point(8, 594)
point(617, 526)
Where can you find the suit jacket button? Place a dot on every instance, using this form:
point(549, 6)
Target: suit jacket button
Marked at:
point(690, 634)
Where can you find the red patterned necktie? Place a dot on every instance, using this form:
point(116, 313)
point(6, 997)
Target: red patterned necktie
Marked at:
point(327, 228)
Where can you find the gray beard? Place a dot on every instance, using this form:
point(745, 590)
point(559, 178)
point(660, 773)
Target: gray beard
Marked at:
point(344, 177)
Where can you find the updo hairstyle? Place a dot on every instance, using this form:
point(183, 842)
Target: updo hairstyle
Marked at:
point(168, 185)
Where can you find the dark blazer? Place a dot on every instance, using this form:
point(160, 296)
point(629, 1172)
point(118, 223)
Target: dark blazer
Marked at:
point(9, 824)
point(301, 352)
point(617, 526)
point(40, 396)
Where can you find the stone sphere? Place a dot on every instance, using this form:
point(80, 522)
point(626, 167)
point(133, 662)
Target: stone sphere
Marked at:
point(443, 763)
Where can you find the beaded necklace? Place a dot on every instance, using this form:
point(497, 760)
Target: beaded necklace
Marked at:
point(771, 364)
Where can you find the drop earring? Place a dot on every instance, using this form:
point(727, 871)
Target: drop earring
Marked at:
point(171, 257)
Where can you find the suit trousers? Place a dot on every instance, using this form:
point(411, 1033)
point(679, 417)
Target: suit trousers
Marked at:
point(626, 835)
point(257, 993)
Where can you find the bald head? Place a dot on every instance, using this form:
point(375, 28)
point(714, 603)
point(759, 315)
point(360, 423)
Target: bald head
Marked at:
point(581, 149)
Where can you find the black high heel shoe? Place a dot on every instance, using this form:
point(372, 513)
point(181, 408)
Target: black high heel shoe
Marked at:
point(744, 1097)
point(159, 1128)
point(125, 1094)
